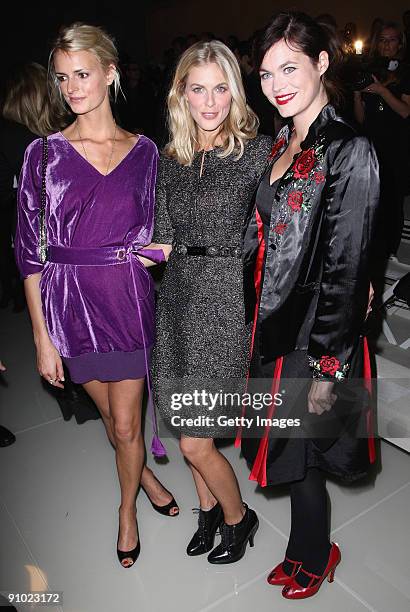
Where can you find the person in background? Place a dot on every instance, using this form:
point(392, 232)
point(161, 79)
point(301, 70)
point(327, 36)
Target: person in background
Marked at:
point(136, 109)
point(383, 108)
point(170, 59)
point(269, 124)
point(375, 28)
point(90, 298)
point(26, 114)
point(406, 27)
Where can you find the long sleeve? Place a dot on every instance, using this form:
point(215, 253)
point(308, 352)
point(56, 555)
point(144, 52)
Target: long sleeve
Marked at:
point(163, 230)
point(150, 162)
point(28, 208)
point(351, 198)
point(259, 149)
point(145, 237)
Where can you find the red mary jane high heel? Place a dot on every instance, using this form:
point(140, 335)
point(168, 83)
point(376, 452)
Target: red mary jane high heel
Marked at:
point(295, 591)
point(278, 576)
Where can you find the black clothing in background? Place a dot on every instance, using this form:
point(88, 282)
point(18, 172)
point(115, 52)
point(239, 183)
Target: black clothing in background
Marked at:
point(260, 104)
point(136, 113)
point(407, 50)
point(390, 135)
point(14, 139)
point(73, 400)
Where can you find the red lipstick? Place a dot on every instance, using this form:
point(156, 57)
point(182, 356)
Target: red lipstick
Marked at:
point(284, 99)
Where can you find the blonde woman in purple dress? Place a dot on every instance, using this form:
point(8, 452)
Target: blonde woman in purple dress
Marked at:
point(92, 302)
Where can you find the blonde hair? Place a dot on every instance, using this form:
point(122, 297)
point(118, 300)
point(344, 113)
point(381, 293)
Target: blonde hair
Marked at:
point(27, 101)
point(240, 125)
point(82, 37)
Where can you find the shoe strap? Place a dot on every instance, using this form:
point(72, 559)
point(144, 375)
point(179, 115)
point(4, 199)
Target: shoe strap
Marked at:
point(313, 577)
point(295, 565)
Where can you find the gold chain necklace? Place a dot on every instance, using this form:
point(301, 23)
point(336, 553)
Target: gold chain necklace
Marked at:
point(112, 148)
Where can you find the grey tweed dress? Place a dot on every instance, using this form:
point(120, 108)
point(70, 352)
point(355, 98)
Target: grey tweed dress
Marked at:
point(201, 338)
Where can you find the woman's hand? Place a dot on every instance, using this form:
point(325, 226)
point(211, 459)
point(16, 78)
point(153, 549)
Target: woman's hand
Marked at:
point(165, 248)
point(321, 398)
point(376, 87)
point(401, 106)
point(49, 364)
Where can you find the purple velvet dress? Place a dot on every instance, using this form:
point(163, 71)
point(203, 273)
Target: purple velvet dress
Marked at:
point(97, 297)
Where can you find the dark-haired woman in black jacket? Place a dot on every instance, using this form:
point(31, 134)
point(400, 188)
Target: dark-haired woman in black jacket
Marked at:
point(306, 261)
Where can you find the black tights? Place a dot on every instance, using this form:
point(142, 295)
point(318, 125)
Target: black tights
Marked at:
point(309, 534)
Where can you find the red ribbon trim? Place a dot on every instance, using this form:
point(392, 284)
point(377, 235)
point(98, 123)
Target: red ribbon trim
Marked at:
point(257, 276)
point(367, 379)
point(259, 467)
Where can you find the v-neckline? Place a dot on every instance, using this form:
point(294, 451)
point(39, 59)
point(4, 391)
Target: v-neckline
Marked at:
point(92, 166)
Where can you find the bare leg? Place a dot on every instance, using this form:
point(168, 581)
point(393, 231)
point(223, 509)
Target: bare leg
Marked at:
point(125, 400)
point(206, 499)
point(156, 491)
point(217, 474)
point(98, 392)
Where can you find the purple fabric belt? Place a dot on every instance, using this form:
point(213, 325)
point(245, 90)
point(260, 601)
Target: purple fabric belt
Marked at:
point(100, 256)
point(106, 256)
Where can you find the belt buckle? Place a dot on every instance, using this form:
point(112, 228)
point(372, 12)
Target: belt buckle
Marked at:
point(212, 251)
point(121, 253)
point(181, 249)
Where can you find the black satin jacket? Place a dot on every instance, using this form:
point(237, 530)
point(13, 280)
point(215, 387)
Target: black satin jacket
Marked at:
point(316, 281)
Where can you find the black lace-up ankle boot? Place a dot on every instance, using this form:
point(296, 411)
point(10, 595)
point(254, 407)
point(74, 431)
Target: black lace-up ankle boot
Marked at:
point(235, 538)
point(203, 539)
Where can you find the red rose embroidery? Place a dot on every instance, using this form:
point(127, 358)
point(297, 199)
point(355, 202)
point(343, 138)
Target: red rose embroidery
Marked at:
point(280, 228)
point(304, 164)
point(276, 148)
point(319, 177)
point(329, 364)
point(295, 200)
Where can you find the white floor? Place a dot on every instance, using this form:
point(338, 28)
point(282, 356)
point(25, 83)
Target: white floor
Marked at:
point(58, 527)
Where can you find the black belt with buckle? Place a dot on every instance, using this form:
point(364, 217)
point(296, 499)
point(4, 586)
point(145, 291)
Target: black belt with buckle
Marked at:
point(207, 251)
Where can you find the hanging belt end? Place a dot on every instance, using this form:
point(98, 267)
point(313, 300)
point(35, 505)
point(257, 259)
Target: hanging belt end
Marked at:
point(157, 448)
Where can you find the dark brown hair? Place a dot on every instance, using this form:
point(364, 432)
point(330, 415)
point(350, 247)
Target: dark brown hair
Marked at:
point(303, 33)
point(27, 101)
